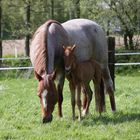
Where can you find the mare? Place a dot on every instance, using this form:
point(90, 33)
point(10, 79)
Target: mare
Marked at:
point(79, 75)
point(46, 54)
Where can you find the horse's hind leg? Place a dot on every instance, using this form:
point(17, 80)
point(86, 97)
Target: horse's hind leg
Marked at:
point(72, 90)
point(112, 98)
point(60, 94)
point(102, 94)
point(109, 88)
point(78, 101)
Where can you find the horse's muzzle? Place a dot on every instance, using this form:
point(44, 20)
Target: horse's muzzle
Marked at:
point(67, 72)
point(47, 119)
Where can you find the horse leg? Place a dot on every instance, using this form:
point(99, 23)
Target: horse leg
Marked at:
point(109, 88)
point(112, 99)
point(84, 98)
point(102, 95)
point(72, 90)
point(78, 101)
point(89, 94)
point(60, 94)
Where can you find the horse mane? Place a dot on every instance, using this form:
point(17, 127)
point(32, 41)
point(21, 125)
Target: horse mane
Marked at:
point(41, 56)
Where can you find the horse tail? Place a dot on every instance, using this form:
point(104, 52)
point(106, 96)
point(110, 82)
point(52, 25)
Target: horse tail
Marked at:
point(41, 58)
point(47, 24)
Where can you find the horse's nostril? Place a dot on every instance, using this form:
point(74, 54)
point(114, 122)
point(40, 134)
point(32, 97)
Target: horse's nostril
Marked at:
point(47, 119)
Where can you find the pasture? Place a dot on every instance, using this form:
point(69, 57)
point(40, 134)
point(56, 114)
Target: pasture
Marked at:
point(20, 114)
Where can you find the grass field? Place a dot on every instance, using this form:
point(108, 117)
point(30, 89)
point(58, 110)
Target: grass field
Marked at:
point(20, 116)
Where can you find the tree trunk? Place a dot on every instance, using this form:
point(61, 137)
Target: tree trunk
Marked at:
point(27, 44)
point(131, 41)
point(52, 9)
point(76, 9)
point(0, 33)
point(27, 37)
point(108, 27)
point(125, 42)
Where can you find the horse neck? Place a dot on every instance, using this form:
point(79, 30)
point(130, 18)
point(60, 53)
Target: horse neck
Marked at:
point(75, 63)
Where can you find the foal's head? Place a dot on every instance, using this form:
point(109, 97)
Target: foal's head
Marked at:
point(69, 57)
point(48, 95)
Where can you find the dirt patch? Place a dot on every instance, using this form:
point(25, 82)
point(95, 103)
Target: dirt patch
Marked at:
point(17, 47)
point(13, 47)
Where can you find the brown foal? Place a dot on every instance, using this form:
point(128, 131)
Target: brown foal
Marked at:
point(79, 75)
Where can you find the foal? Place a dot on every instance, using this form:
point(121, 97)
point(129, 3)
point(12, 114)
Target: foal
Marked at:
point(79, 75)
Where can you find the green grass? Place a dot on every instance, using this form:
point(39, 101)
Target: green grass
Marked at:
point(20, 114)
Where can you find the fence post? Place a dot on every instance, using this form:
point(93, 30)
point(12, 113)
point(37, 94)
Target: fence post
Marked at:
point(111, 58)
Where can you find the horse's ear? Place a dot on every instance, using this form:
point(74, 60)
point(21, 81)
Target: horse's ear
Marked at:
point(53, 75)
point(39, 78)
point(64, 47)
point(73, 47)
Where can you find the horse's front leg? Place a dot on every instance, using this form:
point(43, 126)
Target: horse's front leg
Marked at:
point(60, 94)
point(72, 90)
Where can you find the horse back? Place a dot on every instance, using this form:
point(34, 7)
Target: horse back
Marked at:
point(90, 39)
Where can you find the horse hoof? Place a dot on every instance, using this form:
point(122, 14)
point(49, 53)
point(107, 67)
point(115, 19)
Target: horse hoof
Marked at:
point(84, 113)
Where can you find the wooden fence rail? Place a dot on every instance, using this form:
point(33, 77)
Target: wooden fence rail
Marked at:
point(111, 59)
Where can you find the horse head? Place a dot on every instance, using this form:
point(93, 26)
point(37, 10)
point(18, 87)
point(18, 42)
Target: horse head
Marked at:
point(48, 95)
point(69, 57)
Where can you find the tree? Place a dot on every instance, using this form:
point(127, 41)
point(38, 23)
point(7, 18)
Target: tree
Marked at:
point(0, 31)
point(127, 11)
point(76, 4)
point(27, 24)
point(96, 10)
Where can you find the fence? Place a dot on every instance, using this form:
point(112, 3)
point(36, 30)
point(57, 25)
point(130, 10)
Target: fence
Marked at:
point(111, 59)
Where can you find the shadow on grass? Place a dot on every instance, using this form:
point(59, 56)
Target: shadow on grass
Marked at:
point(116, 118)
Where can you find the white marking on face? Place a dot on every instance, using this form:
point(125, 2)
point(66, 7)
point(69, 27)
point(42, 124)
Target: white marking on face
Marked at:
point(44, 101)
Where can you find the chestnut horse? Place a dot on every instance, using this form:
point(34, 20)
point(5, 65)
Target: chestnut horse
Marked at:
point(46, 53)
point(79, 75)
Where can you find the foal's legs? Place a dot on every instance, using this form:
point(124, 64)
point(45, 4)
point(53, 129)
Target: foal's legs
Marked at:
point(84, 98)
point(60, 95)
point(72, 90)
point(109, 88)
point(88, 93)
